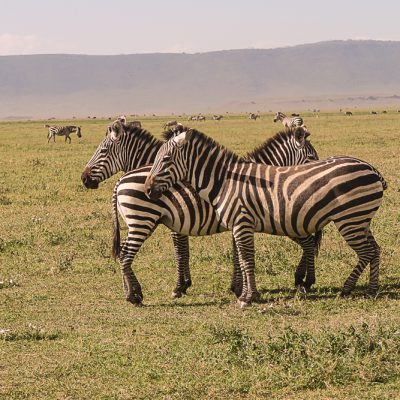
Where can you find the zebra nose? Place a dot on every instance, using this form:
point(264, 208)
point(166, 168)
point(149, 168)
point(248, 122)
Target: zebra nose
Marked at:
point(85, 174)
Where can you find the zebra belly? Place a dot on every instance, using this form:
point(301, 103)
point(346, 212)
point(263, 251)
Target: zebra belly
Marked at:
point(188, 214)
point(180, 209)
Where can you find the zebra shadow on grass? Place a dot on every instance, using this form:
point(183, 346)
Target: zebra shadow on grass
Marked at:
point(390, 290)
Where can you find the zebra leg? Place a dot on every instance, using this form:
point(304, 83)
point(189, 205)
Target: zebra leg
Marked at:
point(237, 278)
point(244, 239)
point(184, 280)
point(67, 137)
point(134, 240)
point(359, 239)
point(306, 264)
point(374, 266)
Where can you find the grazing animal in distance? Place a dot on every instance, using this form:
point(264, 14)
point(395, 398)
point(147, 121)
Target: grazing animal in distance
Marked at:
point(253, 116)
point(292, 201)
point(170, 124)
point(374, 112)
point(289, 122)
point(66, 131)
point(132, 124)
point(295, 115)
point(348, 113)
point(217, 117)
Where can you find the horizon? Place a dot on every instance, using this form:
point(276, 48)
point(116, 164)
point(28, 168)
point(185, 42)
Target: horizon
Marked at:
point(203, 52)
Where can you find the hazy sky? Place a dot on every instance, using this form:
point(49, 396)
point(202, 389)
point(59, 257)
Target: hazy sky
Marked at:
point(145, 26)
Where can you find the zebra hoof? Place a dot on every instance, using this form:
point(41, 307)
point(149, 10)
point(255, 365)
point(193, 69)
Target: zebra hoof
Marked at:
point(176, 295)
point(244, 304)
point(372, 293)
point(135, 299)
point(345, 293)
point(302, 290)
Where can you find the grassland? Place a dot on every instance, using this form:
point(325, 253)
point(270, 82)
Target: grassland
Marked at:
point(66, 331)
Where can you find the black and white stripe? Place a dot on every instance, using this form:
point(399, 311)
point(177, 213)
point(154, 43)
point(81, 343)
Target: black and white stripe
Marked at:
point(289, 122)
point(291, 201)
point(181, 209)
point(62, 131)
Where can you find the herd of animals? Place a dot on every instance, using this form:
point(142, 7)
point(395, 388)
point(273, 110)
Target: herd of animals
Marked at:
point(196, 187)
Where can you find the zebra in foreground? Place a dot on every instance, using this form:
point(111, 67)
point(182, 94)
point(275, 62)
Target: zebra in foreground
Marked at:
point(181, 209)
point(288, 201)
point(289, 122)
point(62, 131)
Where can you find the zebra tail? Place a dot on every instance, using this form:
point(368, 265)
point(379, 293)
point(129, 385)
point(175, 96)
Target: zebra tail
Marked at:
point(116, 248)
point(317, 241)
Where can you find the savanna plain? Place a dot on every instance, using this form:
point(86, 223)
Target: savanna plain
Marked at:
point(66, 331)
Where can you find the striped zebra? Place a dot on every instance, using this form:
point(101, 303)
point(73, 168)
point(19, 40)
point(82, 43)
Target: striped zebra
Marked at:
point(132, 124)
point(291, 201)
point(289, 122)
point(253, 116)
point(170, 124)
point(181, 209)
point(62, 131)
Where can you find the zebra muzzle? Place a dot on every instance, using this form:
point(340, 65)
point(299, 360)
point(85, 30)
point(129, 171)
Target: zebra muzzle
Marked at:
point(87, 180)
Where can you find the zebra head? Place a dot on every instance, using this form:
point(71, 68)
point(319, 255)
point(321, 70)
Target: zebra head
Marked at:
point(305, 150)
point(109, 158)
point(78, 131)
point(169, 166)
point(279, 116)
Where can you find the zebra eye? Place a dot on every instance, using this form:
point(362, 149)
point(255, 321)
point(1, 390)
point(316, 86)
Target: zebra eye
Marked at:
point(167, 158)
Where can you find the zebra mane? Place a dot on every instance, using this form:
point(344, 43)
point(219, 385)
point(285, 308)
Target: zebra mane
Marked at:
point(140, 133)
point(281, 136)
point(208, 142)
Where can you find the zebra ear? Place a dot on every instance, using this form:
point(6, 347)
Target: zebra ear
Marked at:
point(301, 134)
point(116, 130)
point(182, 138)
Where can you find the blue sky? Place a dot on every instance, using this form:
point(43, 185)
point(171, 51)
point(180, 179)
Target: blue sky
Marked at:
point(146, 26)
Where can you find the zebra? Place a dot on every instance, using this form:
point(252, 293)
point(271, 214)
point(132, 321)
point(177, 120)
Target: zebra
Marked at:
point(291, 201)
point(170, 124)
point(288, 122)
point(201, 118)
point(62, 131)
point(348, 113)
point(126, 149)
point(217, 117)
point(132, 124)
point(253, 116)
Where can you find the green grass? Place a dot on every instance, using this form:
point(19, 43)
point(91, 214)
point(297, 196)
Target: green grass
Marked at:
point(66, 331)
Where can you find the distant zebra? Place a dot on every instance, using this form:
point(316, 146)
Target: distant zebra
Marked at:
point(253, 116)
point(62, 131)
point(217, 117)
point(348, 113)
point(288, 122)
point(132, 124)
point(201, 118)
point(170, 124)
point(181, 209)
point(290, 201)
point(374, 112)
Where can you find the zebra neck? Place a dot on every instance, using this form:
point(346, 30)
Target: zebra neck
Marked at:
point(208, 174)
point(142, 153)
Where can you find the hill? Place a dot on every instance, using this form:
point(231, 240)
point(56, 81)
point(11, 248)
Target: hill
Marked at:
point(332, 73)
